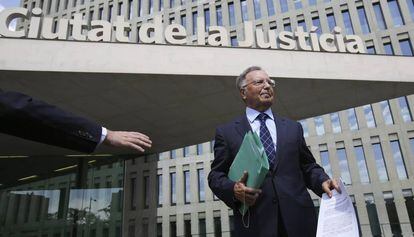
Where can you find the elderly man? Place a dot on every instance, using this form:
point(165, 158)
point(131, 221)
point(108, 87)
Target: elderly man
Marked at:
point(282, 207)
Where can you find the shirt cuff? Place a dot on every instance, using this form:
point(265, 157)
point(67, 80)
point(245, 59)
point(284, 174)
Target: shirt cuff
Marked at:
point(103, 135)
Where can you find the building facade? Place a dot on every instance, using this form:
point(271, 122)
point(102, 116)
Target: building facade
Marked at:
point(59, 207)
point(371, 147)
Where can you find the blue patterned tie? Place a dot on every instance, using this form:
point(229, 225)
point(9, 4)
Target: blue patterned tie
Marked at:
point(266, 139)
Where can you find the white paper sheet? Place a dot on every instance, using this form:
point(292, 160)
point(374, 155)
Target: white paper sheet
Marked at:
point(337, 215)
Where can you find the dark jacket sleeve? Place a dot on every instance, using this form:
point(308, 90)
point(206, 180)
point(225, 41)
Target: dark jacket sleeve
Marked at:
point(218, 181)
point(314, 175)
point(26, 117)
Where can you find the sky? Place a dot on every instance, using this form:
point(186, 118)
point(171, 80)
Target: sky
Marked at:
point(9, 3)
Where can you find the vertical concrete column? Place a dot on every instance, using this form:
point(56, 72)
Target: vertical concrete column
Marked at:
point(382, 214)
point(209, 222)
point(225, 224)
point(194, 224)
point(180, 224)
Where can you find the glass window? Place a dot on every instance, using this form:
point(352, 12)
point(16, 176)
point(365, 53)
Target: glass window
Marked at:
point(410, 4)
point(100, 13)
point(363, 20)
point(172, 3)
point(371, 50)
point(409, 203)
point(316, 22)
point(386, 112)
point(406, 48)
point(395, 12)
point(217, 226)
point(399, 160)
point(244, 13)
point(199, 149)
point(219, 16)
point(194, 15)
point(379, 16)
point(270, 7)
point(320, 130)
point(186, 151)
point(347, 22)
point(283, 5)
point(160, 5)
point(173, 195)
point(372, 215)
point(303, 24)
point(312, 2)
point(233, 41)
point(392, 214)
point(159, 229)
point(369, 116)
point(207, 18)
point(201, 186)
point(173, 154)
point(184, 21)
point(405, 109)
point(232, 17)
point(343, 165)
point(331, 21)
point(412, 145)
point(187, 228)
point(257, 13)
point(336, 124)
point(305, 128)
point(146, 191)
point(325, 163)
point(316, 204)
point(131, 230)
point(352, 119)
point(150, 6)
point(187, 190)
point(388, 49)
point(202, 227)
point(231, 226)
point(133, 197)
point(298, 4)
point(362, 164)
point(287, 27)
point(159, 190)
point(173, 229)
point(379, 162)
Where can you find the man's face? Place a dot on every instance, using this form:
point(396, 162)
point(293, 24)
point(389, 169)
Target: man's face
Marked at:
point(257, 96)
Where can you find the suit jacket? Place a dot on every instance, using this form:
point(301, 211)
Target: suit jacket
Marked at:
point(284, 191)
point(23, 116)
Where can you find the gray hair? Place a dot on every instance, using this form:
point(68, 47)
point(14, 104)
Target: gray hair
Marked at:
point(240, 80)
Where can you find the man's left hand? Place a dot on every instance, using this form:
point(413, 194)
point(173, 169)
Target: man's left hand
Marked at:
point(330, 184)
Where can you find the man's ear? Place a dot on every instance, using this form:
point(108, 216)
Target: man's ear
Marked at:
point(243, 93)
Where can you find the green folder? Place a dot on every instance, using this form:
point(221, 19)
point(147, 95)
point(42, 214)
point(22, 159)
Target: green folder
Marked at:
point(253, 159)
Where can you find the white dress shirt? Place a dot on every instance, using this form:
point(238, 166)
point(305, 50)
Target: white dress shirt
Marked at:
point(252, 114)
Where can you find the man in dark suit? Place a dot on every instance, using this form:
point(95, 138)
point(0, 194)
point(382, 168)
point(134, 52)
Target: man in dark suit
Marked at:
point(26, 117)
point(283, 206)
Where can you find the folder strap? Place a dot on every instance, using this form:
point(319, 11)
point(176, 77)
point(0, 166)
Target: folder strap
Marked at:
point(248, 213)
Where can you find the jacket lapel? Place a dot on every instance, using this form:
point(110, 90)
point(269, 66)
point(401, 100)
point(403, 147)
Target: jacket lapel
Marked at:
point(280, 134)
point(242, 126)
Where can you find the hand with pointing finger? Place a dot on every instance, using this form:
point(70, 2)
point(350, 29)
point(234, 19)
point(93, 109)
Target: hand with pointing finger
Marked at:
point(245, 194)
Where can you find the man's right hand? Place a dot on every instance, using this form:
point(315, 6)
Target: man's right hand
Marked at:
point(245, 194)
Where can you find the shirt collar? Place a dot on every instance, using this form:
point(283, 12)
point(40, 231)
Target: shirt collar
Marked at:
point(252, 114)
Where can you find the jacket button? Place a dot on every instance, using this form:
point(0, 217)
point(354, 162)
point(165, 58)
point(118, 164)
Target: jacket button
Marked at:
point(274, 200)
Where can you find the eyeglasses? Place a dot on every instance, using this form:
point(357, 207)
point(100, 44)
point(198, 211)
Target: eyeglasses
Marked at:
point(261, 82)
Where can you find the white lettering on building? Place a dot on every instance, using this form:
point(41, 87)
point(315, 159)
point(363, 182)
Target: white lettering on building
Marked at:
point(156, 32)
